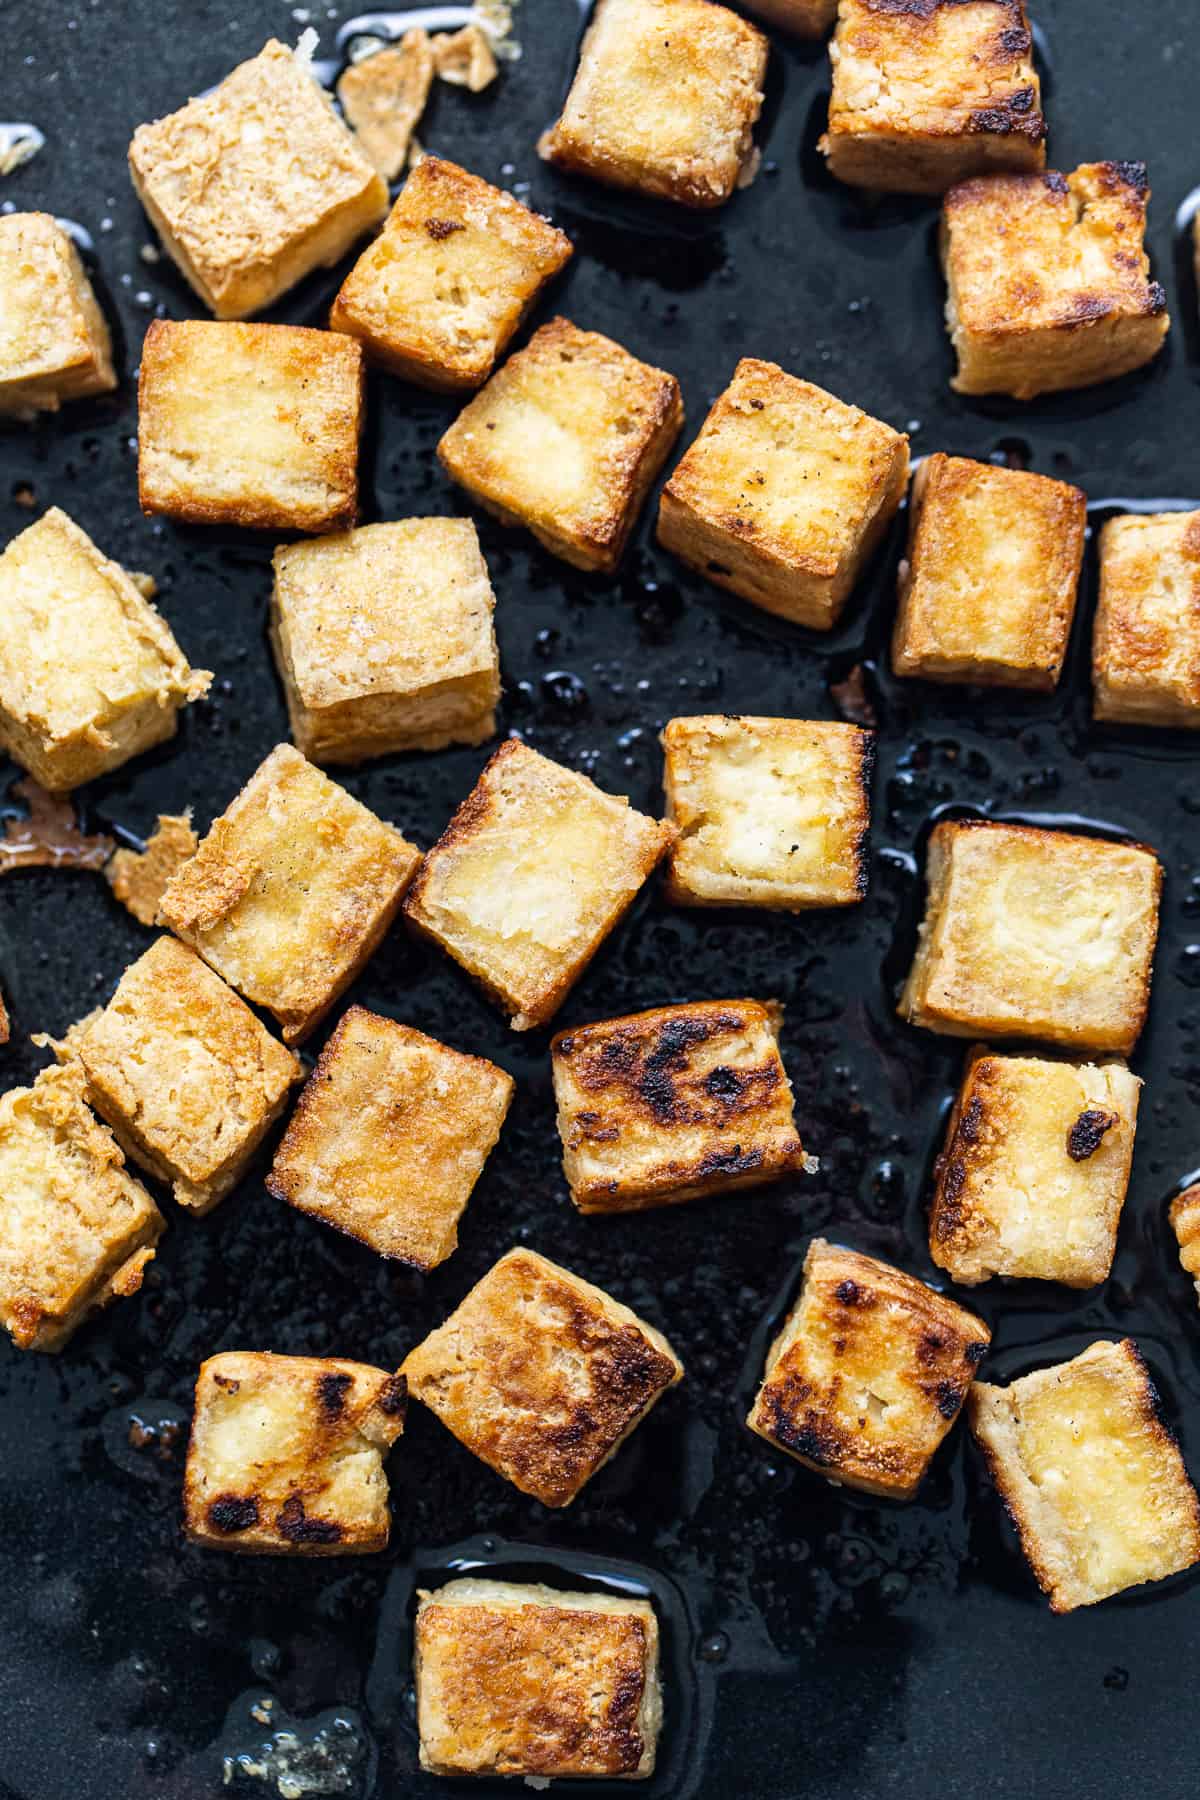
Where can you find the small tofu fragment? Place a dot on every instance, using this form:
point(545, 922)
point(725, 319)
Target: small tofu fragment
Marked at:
point(138, 878)
point(54, 339)
point(1184, 1214)
point(516, 1678)
point(785, 494)
point(383, 97)
point(464, 59)
point(541, 1375)
point(5, 1026)
point(802, 18)
point(534, 870)
point(1146, 647)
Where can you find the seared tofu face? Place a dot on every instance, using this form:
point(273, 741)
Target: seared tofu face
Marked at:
point(1185, 1222)
point(286, 1455)
point(868, 1374)
point(541, 1375)
point(1146, 648)
point(1090, 1475)
point(54, 341)
point(516, 1678)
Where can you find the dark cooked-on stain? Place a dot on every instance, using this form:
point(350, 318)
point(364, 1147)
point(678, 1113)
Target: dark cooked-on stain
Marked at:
point(1087, 1133)
point(233, 1512)
point(292, 1523)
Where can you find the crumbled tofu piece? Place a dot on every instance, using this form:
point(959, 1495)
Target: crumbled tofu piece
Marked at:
point(138, 879)
point(1184, 1215)
point(464, 59)
point(54, 340)
point(383, 97)
point(802, 18)
point(1146, 648)
point(5, 1027)
point(19, 144)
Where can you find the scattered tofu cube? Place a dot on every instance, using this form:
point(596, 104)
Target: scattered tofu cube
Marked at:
point(1184, 1215)
point(1090, 1475)
point(566, 439)
point(242, 213)
point(383, 97)
point(286, 1455)
point(803, 18)
point(1146, 648)
point(770, 812)
point(139, 878)
point(1035, 934)
point(987, 588)
point(384, 639)
point(868, 1373)
point(515, 1678)
point(54, 340)
point(292, 890)
point(1049, 281)
point(90, 674)
point(252, 425)
point(541, 1375)
point(785, 494)
point(534, 870)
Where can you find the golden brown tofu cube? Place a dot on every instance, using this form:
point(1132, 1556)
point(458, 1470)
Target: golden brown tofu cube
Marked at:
point(292, 890)
point(139, 878)
point(286, 1455)
point(803, 18)
point(541, 1375)
point(76, 1230)
point(438, 295)
point(90, 674)
point(785, 494)
point(1048, 280)
point(54, 341)
point(987, 588)
point(534, 870)
point(868, 1373)
point(1033, 1174)
point(566, 439)
point(1184, 1214)
point(1035, 934)
point(1090, 1475)
point(384, 639)
point(664, 100)
point(770, 812)
point(255, 184)
point(515, 1678)
point(390, 1136)
point(250, 425)
point(1146, 648)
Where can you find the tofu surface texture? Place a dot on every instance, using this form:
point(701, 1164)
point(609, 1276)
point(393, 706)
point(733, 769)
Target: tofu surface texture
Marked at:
point(1146, 647)
point(54, 339)
point(1185, 1223)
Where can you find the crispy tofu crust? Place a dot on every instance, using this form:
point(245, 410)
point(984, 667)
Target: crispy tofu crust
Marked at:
point(383, 97)
point(804, 18)
point(1090, 1474)
point(286, 1455)
point(784, 495)
point(139, 878)
point(541, 1375)
point(1146, 647)
point(54, 339)
point(566, 439)
point(868, 1374)
point(1184, 1214)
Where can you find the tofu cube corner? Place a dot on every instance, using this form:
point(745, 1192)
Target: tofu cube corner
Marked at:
point(1184, 1215)
point(1146, 645)
point(54, 340)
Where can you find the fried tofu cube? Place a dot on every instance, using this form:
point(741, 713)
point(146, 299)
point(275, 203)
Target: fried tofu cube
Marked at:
point(988, 585)
point(438, 295)
point(1090, 1475)
point(515, 1678)
point(384, 639)
point(664, 100)
point(286, 1455)
point(1184, 1214)
point(253, 425)
point(1048, 280)
point(566, 439)
point(76, 1229)
point(292, 890)
point(54, 340)
point(1146, 647)
point(803, 18)
point(534, 870)
point(770, 812)
point(90, 674)
point(242, 212)
point(1035, 934)
point(868, 1373)
point(541, 1375)
point(1033, 1174)
point(785, 494)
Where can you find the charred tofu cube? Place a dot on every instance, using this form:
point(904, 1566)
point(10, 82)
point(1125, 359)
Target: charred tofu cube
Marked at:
point(292, 890)
point(514, 1678)
point(664, 100)
point(785, 494)
point(1033, 1175)
point(770, 812)
point(252, 186)
point(566, 439)
point(1048, 280)
point(987, 588)
point(253, 425)
point(90, 674)
point(803, 18)
point(286, 1455)
point(1146, 648)
point(54, 341)
point(534, 870)
point(76, 1230)
point(868, 1373)
point(541, 1375)
point(1090, 1475)
point(1185, 1222)
point(438, 295)
point(1035, 934)
point(384, 639)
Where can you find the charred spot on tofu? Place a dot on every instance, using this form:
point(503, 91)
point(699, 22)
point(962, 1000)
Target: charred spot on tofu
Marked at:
point(1087, 1133)
point(232, 1512)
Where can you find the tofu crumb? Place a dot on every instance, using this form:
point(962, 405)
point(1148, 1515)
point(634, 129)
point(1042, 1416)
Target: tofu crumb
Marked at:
point(19, 144)
point(139, 879)
point(383, 97)
point(464, 59)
